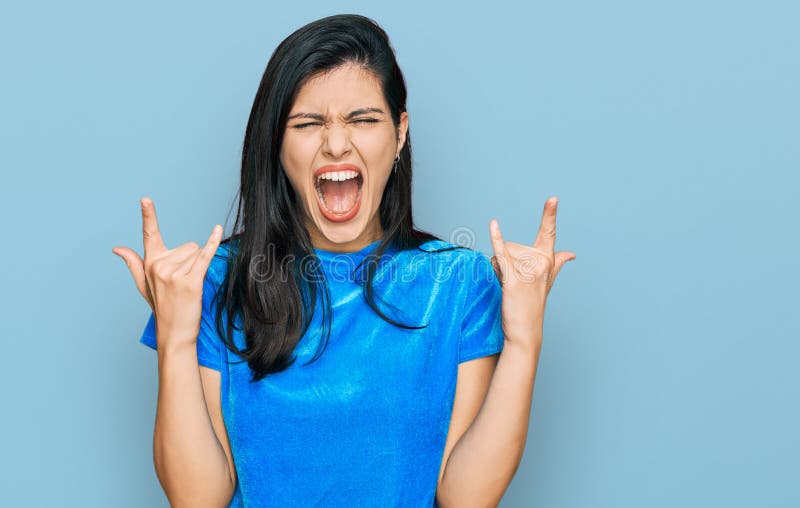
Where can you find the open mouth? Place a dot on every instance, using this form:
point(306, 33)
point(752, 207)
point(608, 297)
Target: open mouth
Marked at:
point(339, 193)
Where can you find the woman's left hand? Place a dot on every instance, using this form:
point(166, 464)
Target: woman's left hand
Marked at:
point(526, 275)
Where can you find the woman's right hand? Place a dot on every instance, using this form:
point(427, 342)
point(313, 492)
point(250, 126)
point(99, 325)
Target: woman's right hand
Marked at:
point(171, 280)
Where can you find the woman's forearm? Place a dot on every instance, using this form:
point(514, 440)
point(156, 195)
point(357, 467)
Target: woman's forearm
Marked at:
point(483, 462)
point(189, 459)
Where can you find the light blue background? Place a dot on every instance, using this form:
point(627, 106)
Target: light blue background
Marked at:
point(669, 130)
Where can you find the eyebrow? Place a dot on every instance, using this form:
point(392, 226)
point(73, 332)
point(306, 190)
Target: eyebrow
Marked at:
point(355, 112)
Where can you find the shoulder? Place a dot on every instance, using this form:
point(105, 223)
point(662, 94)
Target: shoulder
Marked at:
point(458, 253)
point(442, 249)
point(443, 258)
point(472, 268)
point(437, 251)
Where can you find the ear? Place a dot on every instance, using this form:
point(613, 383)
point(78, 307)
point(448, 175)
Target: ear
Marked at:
point(402, 129)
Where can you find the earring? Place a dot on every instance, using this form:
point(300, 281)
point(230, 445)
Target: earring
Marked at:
point(396, 160)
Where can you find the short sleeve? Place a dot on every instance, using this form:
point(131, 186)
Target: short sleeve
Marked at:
point(210, 346)
point(481, 325)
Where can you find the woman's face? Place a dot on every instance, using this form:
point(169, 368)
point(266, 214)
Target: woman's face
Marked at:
point(338, 152)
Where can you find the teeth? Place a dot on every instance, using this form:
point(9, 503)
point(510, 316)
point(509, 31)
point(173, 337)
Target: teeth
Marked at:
point(338, 176)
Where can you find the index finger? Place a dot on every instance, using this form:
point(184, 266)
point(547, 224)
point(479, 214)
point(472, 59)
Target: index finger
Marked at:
point(153, 243)
point(546, 238)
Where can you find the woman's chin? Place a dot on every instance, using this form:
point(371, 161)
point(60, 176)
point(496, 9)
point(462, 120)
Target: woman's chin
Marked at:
point(340, 232)
point(341, 235)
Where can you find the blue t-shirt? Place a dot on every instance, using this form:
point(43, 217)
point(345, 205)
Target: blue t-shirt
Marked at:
point(366, 423)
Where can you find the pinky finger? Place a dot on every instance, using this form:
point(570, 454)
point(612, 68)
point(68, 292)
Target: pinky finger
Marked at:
point(204, 256)
point(498, 244)
point(500, 260)
point(497, 271)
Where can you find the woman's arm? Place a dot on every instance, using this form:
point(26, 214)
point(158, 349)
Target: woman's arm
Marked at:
point(483, 462)
point(191, 464)
point(194, 469)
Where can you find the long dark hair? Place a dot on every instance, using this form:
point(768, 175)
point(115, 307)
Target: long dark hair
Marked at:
point(276, 308)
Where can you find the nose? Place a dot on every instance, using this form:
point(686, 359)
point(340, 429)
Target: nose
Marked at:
point(336, 141)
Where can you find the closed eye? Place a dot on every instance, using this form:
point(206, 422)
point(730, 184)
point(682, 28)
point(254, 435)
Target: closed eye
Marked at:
point(360, 120)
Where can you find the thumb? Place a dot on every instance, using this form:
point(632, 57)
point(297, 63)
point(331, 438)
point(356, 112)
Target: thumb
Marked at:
point(136, 266)
point(561, 258)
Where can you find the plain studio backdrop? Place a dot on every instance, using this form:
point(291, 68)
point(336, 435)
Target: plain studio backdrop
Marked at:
point(668, 129)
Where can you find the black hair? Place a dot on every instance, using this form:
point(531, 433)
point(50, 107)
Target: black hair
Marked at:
point(276, 310)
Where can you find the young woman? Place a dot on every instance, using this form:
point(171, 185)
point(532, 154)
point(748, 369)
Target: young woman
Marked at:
point(328, 353)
